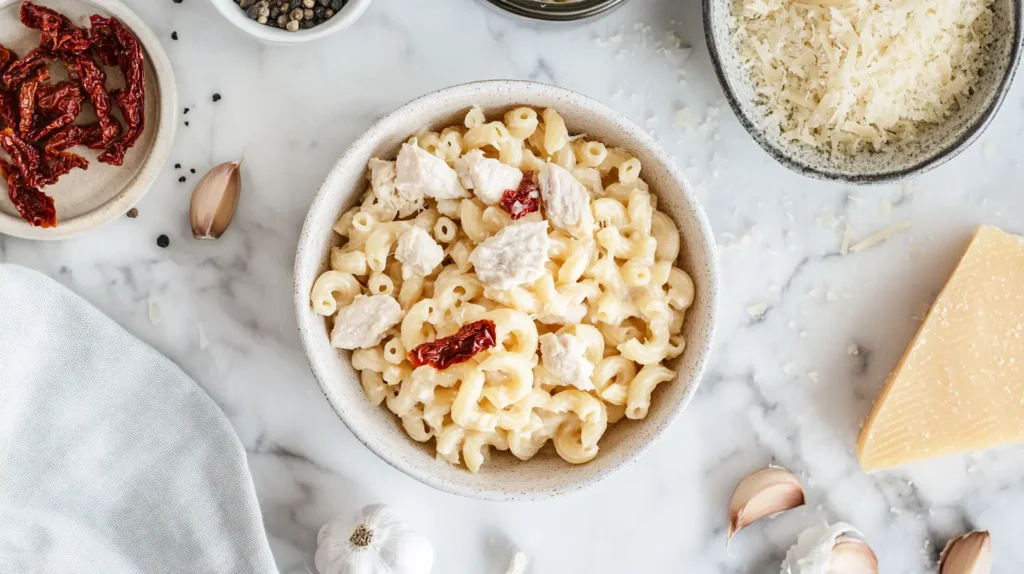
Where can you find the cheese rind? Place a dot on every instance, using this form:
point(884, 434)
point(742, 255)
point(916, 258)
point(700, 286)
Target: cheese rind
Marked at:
point(960, 385)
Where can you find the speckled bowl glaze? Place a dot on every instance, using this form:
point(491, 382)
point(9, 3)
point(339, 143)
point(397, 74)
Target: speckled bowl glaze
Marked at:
point(88, 199)
point(936, 145)
point(504, 477)
point(274, 35)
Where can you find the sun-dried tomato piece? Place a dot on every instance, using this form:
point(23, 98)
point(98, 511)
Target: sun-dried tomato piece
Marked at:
point(7, 57)
point(460, 347)
point(34, 206)
point(27, 100)
point(85, 71)
point(23, 68)
point(59, 33)
point(63, 163)
point(115, 43)
point(523, 200)
point(9, 109)
point(70, 136)
point(60, 104)
point(30, 163)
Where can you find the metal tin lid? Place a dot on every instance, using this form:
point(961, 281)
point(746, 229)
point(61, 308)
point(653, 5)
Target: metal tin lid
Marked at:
point(557, 11)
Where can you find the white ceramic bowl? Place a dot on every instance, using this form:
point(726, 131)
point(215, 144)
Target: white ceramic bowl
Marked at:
point(274, 35)
point(87, 199)
point(504, 477)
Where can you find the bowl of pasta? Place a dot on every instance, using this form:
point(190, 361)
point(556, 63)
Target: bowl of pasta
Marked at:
point(506, 290)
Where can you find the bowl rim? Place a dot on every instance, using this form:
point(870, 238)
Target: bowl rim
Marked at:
point(465, 92)
point(937, 158)
point(557, 11)
point(152, 164)
point(351, 12)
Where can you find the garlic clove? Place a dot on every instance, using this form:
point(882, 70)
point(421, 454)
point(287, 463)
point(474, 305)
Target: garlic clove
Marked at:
point(214, 200)
point(851, 555)
point(970, 553)
point(762, 493)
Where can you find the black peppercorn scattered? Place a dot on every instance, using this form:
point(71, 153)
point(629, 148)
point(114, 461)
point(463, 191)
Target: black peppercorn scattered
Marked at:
point(193, 170)
point(186, 110)
point(177, 166)
point(216, 97)
point(163, 241)
point(174, 35)
point(133, 213)
point(177, 1)
point(186, 124)
point(181, 179)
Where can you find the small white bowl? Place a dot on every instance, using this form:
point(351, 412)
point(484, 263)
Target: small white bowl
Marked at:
point(88, 199)
point(504, 477)
point(274, 35)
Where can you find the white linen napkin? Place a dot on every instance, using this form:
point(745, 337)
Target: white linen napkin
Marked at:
point(111, 459)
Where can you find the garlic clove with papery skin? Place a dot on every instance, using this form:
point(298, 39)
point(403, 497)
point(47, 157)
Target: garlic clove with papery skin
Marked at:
point(970, 553)
point(828, 549)
point(375, 541)
point(851, 555)
point(214, 200)
point(764, 492)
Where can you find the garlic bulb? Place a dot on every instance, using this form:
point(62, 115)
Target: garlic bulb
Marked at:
point(828, 549)
point(376, 541)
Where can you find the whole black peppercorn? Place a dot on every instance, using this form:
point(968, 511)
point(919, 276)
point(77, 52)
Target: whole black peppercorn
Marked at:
point(133, 213)
point(274, 13)
point(306, 24)
point(293, 4)
point(337, 5)
point(186, 124)
point(163, 241)
point(216, 97)
point(253, 12)
point(319, 12)
point(177, 1)
point(193, 170)
point(177, 166)
point(181, 179)
point(186, 110)
point(174, 35)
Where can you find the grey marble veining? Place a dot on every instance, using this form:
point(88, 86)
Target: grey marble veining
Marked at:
point(784, 388)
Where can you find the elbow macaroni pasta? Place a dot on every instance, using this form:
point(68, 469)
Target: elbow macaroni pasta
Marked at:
point(617, 291)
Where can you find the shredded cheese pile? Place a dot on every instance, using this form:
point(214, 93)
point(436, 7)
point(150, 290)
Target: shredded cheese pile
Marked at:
point(842, 75)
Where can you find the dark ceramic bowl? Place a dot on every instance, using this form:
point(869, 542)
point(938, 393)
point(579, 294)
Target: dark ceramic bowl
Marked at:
point(557, 11)
point(935, 145)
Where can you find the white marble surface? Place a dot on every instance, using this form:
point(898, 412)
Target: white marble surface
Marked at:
point(783, 389)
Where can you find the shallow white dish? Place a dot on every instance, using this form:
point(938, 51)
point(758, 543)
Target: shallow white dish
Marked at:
point(87, 199)
point(274, 35)
point(504, 477)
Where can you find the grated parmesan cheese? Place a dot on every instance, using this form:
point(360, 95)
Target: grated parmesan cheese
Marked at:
point(518, 564)
point(842, 75)
point(880, 236)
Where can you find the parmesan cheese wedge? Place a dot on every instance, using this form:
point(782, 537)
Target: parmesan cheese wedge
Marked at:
point(960, 385)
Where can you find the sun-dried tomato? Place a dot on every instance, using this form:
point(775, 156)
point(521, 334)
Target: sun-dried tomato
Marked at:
point(524, 200)
point(7, 57)
point(34, 206)
point(25, 67)
point(85, 71)
point(460, 347)
point(27, 100)
point(63, 163)
point(70, 136)
point(60, 104)
point(115, 43)
point(30, 163)
point(59, 34)
point(9, 109)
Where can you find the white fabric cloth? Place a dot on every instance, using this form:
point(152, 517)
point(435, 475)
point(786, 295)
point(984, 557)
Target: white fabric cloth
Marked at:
point(111, 459)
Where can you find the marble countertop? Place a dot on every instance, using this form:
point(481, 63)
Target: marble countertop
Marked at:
point(790, 388)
